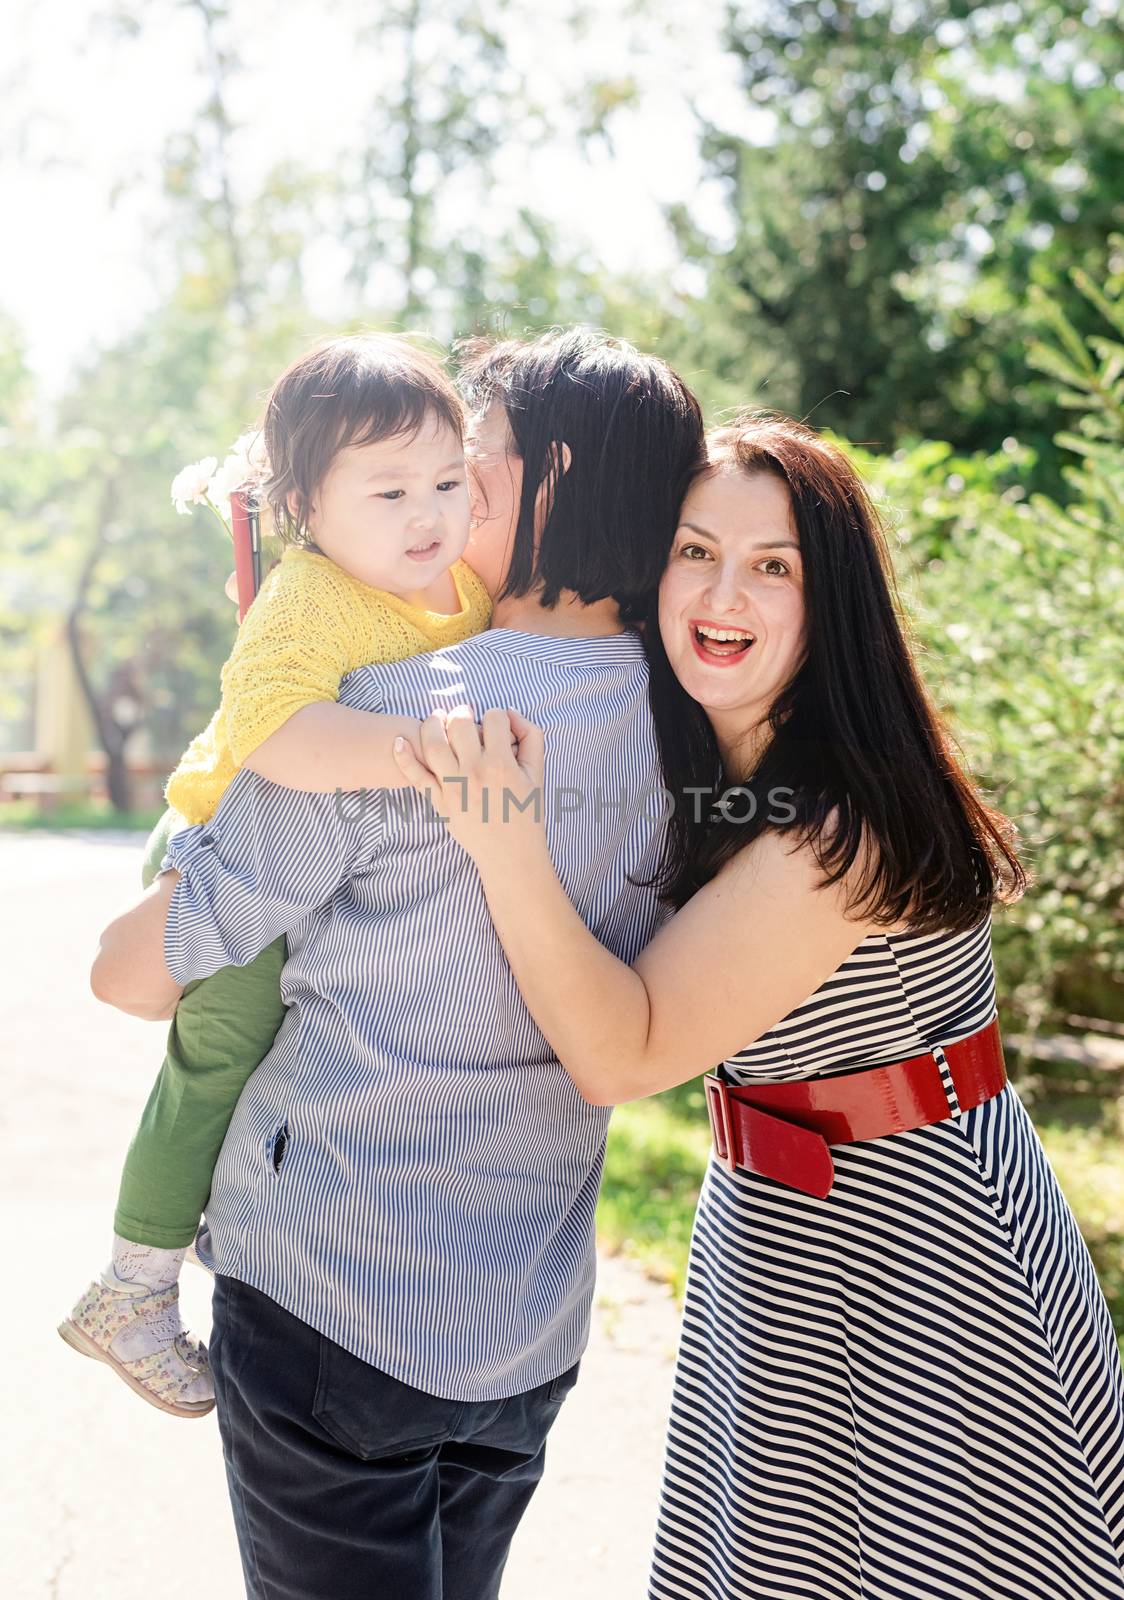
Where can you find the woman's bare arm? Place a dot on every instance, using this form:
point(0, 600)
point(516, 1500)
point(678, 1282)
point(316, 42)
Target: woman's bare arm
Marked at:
point(748, 948)
point(752, 945)
point(129, 970)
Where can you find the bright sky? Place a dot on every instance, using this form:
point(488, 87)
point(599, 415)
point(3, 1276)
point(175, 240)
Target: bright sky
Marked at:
point(85, 110)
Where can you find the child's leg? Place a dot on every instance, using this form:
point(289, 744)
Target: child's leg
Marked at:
point(156, 846)
point(223, 1027)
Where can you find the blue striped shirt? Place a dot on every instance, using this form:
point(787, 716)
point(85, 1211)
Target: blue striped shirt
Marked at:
point(410, 1170)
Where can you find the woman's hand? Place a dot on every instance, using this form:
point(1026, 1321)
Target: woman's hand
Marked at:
point(230, 588)
point(486, 781)
point(129, 971)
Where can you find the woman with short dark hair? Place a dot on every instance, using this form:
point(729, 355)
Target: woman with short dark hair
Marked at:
point(898, 1376)
point(565, 409)
point(401, 1219)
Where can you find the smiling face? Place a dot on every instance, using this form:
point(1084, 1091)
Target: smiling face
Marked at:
point(395, 513)
point(731, 606)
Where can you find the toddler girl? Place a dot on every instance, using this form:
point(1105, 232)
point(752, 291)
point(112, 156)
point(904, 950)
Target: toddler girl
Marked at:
point(364, 439)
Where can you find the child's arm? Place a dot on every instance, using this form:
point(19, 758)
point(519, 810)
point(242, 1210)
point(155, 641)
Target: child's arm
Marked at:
point(326, 746)
point(281, 684)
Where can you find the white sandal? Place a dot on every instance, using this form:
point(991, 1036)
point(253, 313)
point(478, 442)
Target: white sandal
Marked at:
point(169, 1366)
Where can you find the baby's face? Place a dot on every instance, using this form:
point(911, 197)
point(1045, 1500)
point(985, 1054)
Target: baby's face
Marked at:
point(395, 514)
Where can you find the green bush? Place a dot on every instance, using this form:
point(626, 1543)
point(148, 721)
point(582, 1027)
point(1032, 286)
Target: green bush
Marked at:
point(1018, 609)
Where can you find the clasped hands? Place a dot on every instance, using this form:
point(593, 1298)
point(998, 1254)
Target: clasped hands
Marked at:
point(485, 779)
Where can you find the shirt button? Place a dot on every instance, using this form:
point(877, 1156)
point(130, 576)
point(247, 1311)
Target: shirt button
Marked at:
point(206, 838)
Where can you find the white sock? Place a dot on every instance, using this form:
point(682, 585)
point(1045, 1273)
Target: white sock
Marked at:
point(142, 1266)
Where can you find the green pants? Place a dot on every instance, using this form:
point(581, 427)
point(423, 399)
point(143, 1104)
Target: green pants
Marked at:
point(223, 1027)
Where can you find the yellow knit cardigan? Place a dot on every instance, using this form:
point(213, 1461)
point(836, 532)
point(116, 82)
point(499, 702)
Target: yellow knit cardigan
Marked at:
point(311, 625)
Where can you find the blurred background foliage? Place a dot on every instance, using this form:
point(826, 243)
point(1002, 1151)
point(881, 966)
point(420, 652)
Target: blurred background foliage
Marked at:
point(907, 227)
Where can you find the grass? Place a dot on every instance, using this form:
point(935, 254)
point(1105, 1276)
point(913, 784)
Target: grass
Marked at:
point(654, 1168)
point(653, 1171)
point(1089, 1162)
point(658, 1151)
point(27, 816)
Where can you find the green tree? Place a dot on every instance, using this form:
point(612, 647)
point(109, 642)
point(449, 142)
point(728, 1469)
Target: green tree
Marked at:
point(1019, 603)
point(417, 183)
point(140, 589)
point(917, 168)
point(93, 533)
point(27, 476)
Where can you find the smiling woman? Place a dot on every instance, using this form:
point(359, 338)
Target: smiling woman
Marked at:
point(778, 539)
point(731, 609)
point(897, 1374)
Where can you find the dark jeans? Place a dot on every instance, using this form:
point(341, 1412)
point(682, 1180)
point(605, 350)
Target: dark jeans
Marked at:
point(348, 1485)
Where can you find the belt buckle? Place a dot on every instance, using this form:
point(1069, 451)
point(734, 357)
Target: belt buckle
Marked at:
point(721, 1125)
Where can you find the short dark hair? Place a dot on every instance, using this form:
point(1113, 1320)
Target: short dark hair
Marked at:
point(635, 434)
point(855, 739)
point(353, 390)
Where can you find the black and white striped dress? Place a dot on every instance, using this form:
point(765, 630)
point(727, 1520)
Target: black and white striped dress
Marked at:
point(911, 1388)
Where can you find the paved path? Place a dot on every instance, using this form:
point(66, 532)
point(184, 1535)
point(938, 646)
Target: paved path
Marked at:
point(104, 1498)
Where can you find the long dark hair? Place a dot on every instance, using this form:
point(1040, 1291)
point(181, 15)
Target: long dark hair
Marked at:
point(856, 748)
point(635, 434)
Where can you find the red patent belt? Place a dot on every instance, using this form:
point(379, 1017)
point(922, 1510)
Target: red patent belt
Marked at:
point(782, 1130)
